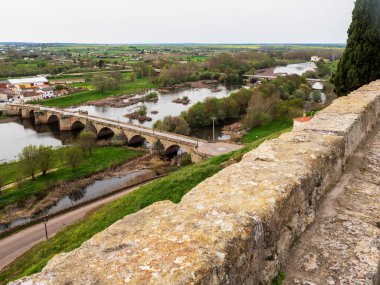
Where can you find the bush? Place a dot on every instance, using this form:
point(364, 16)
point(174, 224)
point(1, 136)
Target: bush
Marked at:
point(186, 160)
point(176, 125)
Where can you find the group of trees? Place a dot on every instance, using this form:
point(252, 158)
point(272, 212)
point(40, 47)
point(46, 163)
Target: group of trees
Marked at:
point(172, 124)
point(40, 159)
point(323, 70)
point(36, 158)
point(83, 147)
point(225, 67)
point(284, 97)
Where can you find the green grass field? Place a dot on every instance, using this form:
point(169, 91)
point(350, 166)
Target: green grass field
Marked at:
point(101, 159)
point(263, 131)
point(86, 96)
point(172, 187)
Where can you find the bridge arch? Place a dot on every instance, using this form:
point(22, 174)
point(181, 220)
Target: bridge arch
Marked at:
point(20, 112)
point(31, 113)
point(136, 140)
point(77, 125)
point(172, 151)
point(52, 119)
point(105, 133)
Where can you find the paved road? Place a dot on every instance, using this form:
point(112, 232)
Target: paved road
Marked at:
point(17, 244)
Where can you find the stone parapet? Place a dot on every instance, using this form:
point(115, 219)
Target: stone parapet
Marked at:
point(236, 227)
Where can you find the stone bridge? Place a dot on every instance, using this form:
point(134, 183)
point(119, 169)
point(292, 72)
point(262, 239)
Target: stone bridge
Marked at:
point(122, 132)
point(307, 203)
point(271, 77)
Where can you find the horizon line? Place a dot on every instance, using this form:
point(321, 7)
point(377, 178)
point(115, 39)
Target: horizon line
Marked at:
point(176, 43)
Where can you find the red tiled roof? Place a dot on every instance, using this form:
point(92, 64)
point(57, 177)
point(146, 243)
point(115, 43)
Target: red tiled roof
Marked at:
point(302, 119)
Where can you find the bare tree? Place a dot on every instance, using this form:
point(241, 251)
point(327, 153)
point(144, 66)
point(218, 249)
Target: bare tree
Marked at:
point(46, 158)
point(29, 160)
point(86, 141)
point(19, 182)
point(73, 156)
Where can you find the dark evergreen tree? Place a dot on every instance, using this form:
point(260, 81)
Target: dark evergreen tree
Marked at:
point(360, 63)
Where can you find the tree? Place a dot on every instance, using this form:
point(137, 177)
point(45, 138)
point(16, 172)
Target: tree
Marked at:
point(86, 141)
point(262, 107)
point(45, 158)
point(105, 82)
point(176, 125)
point(101, 63)
point(143, 110)
point(19, 182)
point(73, 155)
point(132, 77)
point(360, 63)
point(29, 160)
point(316, 96)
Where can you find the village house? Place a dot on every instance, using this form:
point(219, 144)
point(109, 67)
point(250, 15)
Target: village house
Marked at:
point(47, 92)
point(30, 95)
point(7, 95)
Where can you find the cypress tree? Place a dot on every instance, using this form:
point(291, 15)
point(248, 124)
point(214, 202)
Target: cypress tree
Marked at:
point(360, 63)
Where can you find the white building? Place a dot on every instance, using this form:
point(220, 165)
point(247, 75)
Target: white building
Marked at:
point(28, 82)
point(317, 86)
point(46, 92)
point(315, 58)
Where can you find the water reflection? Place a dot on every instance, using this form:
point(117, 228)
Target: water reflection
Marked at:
point(17, 135)
point(98, 189)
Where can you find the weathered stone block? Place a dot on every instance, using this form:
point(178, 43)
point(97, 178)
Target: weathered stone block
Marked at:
point(236, 227)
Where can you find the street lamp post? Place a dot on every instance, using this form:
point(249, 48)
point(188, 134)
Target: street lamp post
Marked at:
point(213, 128)
point(45, 221)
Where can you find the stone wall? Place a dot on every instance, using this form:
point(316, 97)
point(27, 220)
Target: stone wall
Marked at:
point(236, 227)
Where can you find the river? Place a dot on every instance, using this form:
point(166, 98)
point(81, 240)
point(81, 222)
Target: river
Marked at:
point(23, 132)
point(99, 188)
point(16, 135)
point(164, 106)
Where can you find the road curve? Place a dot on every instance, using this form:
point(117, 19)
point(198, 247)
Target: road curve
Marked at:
point(17, 244)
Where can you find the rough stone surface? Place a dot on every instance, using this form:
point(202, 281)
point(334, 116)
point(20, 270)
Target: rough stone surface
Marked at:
point(343, 246)
point(238, 226)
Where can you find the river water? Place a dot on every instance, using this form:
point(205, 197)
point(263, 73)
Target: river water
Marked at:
point(98, 189)
point(297, 68)
point(164, 105)
point(16, 135)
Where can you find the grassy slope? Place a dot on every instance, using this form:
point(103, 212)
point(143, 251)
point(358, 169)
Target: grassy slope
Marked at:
point(172, 188)
point(102, 158)
point(86, 96)
point(263, 131)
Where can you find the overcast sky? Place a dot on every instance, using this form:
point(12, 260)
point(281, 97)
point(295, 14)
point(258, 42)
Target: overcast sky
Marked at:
point(176, 21)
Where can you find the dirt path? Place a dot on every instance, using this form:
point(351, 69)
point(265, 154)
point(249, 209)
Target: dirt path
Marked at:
point(10, 185)
point(342, 246)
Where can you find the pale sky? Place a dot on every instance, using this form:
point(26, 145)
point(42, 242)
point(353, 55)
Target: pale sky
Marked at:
point(176, 21)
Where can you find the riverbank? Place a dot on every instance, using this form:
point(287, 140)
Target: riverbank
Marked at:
point(84, 97)
point(35, 196)
point(172, 187)
point(7, 119)
point(211, 84)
